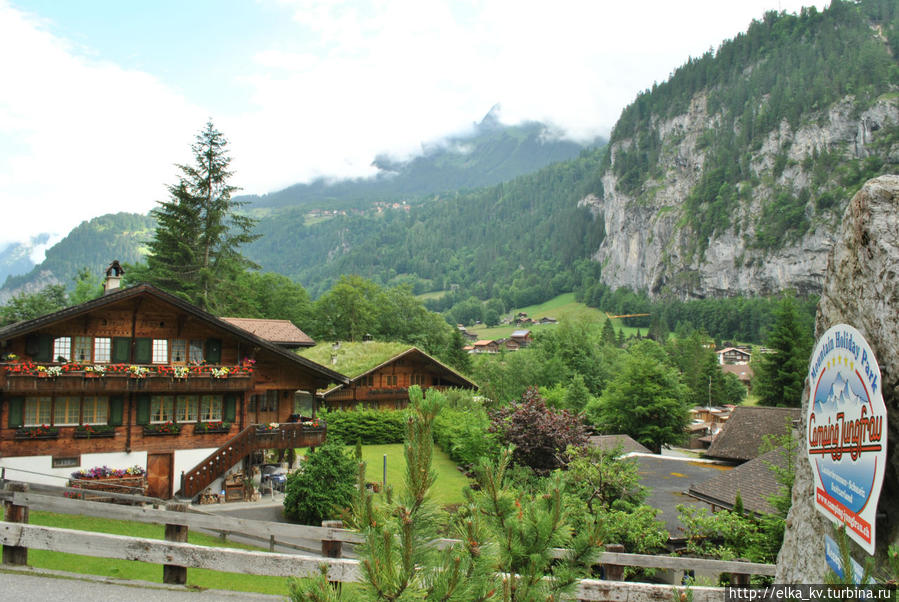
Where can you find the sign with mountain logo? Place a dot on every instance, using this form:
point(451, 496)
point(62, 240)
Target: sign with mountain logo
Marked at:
point(847, 431)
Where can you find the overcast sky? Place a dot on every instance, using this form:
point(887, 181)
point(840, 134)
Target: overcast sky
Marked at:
point(100, 98)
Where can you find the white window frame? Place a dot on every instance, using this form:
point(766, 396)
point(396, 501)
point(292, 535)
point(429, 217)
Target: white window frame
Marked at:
point(40, 410)
point(62, 347)
point(95, 410)
point(66, 410)
point(211, 407)
point(187, 408)
point(162, 409)
point(102, 350)
point(160, 351)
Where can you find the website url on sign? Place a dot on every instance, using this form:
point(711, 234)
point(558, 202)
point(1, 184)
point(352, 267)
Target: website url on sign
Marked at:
point(775, 593)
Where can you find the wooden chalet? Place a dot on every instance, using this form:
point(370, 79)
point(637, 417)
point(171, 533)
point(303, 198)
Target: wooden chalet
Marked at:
point(383, 381)
point(733, 356)
point(142, 377)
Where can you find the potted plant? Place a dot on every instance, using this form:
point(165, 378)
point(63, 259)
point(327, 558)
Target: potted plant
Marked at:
point(86, 431)
point(37, 432)
point(162, 428)
point(202, 428)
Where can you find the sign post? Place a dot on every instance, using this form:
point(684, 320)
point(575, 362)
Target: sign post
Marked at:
point(847, 435)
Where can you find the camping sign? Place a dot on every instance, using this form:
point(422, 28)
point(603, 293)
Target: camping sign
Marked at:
point(847, 431)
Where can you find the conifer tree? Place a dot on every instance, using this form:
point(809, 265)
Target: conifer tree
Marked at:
point(196, 249)
point(780, 374)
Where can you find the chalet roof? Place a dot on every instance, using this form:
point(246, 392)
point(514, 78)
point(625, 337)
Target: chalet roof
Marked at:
point(754, 480)
point(483, 342)
point(742, 371)
point(27, 326)
point(281, 332)
point(521, 333)
point(365, 364)
point(737, 349)
point(743, 433)
point(611, 442)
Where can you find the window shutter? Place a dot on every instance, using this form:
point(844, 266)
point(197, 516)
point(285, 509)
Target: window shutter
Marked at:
point(213, 351)
point(16, 412)
point(143, 351)
point(143, 409)
point(39, 347)
point(229, 412)
point(121, 350)
point(116, 410)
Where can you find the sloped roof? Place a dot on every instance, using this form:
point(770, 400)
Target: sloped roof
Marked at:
point(754, 481)
point(521, 333)
point(27, 326)
point(370, 356)
point(281, 332)
point(611, 442)
point(741, 371)
point(743, 433)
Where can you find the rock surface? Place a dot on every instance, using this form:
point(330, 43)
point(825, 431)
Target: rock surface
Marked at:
point(648, 242)
point(861, 288)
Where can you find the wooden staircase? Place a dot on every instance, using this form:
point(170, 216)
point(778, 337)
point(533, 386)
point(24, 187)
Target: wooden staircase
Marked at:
point(252, 438)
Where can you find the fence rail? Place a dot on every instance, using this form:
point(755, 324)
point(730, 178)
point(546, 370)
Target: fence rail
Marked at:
point(20, 536)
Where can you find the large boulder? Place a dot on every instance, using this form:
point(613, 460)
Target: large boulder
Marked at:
point(861, 288)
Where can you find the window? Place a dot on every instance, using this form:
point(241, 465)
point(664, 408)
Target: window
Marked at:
point(418, 379)
point(82, 350)
point(102, 350)
point(367, 381)
point(161, 408)
point(66, 461)
point(37, 411)
point(391, 380)
point(186, 408)
point(179, 351)
point(160, 351)
point(269, 403)
point(211, 408)
point(62, 349)
point(196, 351)
point(96, 410)
point(66, 411)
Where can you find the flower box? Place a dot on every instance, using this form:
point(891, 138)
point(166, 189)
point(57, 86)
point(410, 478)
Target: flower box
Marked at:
point(167, 428)
point(206, 428)
point(37, 432)
point(93, 431)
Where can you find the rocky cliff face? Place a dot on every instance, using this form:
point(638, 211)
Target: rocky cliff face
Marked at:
point(648, 238)
point(861, 288)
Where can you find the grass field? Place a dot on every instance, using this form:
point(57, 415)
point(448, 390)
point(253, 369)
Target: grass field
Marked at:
point(130, 569)
point(563, 308)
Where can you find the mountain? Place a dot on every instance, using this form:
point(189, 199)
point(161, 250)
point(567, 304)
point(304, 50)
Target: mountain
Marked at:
point(92, 244)
point(731, 177)
point(491, 153)
point(16, 258)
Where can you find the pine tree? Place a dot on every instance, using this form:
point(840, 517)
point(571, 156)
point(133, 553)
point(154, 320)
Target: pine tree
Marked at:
point(780, 374)
point(196, 249)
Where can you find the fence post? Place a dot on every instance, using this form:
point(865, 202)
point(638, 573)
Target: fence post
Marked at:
point(613, 572)
point(740, 579)
point(16, 514)
point(172, 573)
point(332, 549)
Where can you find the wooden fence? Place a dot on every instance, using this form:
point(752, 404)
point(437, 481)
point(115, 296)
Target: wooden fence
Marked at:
point(176, 555)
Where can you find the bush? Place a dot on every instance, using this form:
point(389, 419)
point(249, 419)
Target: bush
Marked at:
point(463, 435)
point(325, 485)
point(371, 427)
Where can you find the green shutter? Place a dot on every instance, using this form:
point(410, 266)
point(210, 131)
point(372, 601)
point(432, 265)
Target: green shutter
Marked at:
point(16, 411)
point(213, 351)
point(121, 350)
point(143, 351)
point(230, 410)
point(143, 409)
point(39, 347)
point(116, 410)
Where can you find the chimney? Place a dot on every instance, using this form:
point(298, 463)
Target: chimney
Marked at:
point(113, 277)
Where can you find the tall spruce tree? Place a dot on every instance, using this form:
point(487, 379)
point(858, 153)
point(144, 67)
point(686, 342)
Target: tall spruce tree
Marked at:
point(196, 249)
point(780, 374)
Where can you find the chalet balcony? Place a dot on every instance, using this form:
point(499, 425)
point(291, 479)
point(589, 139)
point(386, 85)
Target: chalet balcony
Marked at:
point(100, 379)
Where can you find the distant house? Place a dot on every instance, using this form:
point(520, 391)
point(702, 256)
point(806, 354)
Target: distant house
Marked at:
point(509, 344)
point(743, 434)
point(742, 371)
point(734, 355)
point(547, 320)
point(283, 333)
point(380, 374)
point(754, 481)
point(523, 337)
point(486, 346)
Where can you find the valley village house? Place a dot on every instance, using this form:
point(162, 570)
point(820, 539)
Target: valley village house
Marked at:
point(142, 377)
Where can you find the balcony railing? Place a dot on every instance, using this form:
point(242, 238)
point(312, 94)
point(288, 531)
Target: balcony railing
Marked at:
point(29, 377)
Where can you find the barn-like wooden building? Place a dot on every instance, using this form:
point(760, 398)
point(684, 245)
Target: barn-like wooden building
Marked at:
point(142, 377)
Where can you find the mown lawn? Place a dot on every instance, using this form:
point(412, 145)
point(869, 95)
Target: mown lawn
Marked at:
point(447, 489)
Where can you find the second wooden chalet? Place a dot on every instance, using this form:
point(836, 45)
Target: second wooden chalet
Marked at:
point(381, 373)
point(142, 377)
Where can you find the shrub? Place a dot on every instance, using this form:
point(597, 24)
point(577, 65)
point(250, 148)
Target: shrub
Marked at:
point(464, 435)
point(325, 485)
point(367, 426)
